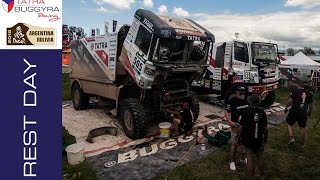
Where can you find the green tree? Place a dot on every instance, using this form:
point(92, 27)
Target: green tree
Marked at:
point(301, 50)
point(79, 31)
point(308, 51)
point(290, 52)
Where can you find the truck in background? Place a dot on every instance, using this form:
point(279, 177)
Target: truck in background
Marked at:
point(143, 68)
point(251, 64)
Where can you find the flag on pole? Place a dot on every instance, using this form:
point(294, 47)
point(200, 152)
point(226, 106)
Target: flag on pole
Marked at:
point(98, 31)
point(114, 26)
point(74, 35)
point(93, 32)
point(106, 27)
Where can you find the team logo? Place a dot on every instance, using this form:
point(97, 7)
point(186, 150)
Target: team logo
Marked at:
point(7, 5)
point(25, 34)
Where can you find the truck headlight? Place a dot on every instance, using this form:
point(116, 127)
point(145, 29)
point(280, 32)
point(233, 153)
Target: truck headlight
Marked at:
point(149, 69)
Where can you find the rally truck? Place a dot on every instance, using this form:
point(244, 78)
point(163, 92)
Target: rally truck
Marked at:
point(143, 68)
point(250, 64)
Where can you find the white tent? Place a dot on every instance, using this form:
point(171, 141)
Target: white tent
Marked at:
point(300, 60)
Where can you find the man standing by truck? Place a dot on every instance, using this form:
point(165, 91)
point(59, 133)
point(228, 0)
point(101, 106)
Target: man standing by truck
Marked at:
point(235, 107)
point(300, 102)
point(253, 133)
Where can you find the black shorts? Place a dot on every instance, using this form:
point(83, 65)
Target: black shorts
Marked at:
point(300, 116)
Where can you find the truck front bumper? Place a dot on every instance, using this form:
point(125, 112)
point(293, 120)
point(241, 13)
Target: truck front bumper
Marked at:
point(260, 88)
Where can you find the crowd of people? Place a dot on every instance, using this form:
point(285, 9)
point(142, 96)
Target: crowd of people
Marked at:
point(248, 122)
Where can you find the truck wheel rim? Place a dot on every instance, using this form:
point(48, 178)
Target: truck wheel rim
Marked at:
point(128, 120)
point(76, 97)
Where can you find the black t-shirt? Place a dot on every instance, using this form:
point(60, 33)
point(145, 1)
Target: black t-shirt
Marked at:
point(253, 121)
point(187, 118)
point(236, 107)
point(301, 99)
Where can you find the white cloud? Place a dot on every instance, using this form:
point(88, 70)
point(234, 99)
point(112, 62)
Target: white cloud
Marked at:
point(83, 1)
point(180, 12)
point(162, 10)
point(148, 3)
point(102, 10)
point(292, 29)
point(98, 10)
point(307, 4)
point(118, 4)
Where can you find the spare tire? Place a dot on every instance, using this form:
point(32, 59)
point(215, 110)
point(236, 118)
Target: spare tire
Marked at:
point(197, 53)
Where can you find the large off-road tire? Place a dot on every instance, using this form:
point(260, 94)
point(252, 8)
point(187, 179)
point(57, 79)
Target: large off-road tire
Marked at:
point(132, 115)
point(80, 100)
point(194, 105)
point(269, 100)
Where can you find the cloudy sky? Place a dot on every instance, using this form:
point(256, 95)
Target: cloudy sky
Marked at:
point(289, 23)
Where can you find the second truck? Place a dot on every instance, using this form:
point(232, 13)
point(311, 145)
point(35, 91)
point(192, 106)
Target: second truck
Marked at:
point(250, 64)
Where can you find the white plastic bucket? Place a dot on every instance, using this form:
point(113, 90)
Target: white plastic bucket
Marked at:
point(75, 153)
point(165, 129)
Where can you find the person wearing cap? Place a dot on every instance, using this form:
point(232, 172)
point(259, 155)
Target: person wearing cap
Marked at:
point(253, 134)
point(299, 107)
point(235, 106)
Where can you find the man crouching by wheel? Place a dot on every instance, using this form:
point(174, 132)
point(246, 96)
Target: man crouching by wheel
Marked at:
point(183, 119)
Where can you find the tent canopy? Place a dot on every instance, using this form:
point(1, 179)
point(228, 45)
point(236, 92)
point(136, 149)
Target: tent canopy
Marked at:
point(300, 59)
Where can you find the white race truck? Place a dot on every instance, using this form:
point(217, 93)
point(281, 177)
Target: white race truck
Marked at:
point(143, 69)
point(251, 64)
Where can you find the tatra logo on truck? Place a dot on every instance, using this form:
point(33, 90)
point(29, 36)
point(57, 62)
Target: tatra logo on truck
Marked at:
point(193, 38)
point(100, 45)
point(148, 24)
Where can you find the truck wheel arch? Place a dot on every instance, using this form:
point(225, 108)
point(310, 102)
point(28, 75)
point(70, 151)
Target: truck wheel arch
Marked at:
point(126, 91)
point(74, 81)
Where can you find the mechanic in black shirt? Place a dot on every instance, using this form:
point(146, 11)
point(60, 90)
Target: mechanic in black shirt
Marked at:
point(253, 134)
point(235, 106)
point(300, 105)
point(183, 118)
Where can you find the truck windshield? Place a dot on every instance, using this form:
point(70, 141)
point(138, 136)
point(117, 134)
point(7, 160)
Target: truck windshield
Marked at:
point(181, 51)
point(264, 52)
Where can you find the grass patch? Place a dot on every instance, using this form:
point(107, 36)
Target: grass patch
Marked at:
point(281, 161)
point(78, 172)
point(66, 84)
point(82, 171)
